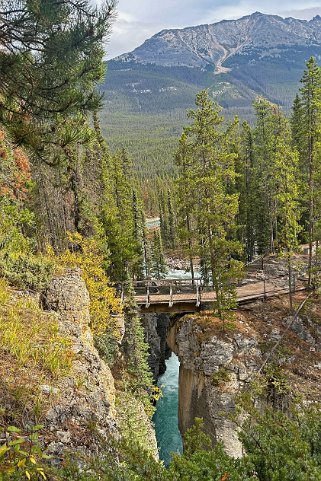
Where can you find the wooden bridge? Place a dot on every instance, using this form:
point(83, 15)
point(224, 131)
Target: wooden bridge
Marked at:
point(175, 295)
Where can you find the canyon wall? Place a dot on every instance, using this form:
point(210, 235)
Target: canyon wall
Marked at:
point(218, 363)
point(84, 414)
point(156, 327)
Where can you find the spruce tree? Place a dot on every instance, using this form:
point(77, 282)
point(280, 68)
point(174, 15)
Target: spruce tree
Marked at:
point(207, 172)
point(286, 178)
point(264, 151)
point(247, 188)
point(185, 202)
point(158, 265)
point(306, 126)
point(171, 222)
point(135, 350)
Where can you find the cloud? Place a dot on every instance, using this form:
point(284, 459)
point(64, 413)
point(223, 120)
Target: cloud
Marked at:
point(140, 19)
point(304, 13)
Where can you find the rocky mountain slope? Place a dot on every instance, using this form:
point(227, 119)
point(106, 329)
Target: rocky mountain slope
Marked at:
point(212, 45)
point(148, 90)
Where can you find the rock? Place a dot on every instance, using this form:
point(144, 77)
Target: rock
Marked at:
point(45, 389)
point(84, 417)
point(64, 436)
point(149, 322)
point(212, 373)
point(85, 399)
point(297, 325)
point(156, 326)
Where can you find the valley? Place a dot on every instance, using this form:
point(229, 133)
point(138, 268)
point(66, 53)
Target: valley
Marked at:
point(160, 263)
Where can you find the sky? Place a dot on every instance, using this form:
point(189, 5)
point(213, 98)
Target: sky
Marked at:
point(138, 20)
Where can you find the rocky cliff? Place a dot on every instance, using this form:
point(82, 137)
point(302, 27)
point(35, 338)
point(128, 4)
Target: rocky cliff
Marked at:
point(63, 383)
point(84, 410)
point(156, 326)
point(217, 364)
point(95, 405)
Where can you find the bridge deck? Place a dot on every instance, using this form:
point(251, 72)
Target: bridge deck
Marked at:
point(171, 301)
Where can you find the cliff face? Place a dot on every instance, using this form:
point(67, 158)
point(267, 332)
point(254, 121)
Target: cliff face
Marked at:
point(156, 326)
point(212, 372)
point(54, 376)
point(217, 365)
point(84, 408)
point(89, 410)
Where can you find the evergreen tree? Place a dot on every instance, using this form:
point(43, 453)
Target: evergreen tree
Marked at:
point(306, 126)
point(207, 171)
point(264, 151)
point(50, 62)
point(158, 266)
point(135, 350)
point(287, 195)
point(171, 223)
point(185, 201)
point(120, 212)
point(247, 187)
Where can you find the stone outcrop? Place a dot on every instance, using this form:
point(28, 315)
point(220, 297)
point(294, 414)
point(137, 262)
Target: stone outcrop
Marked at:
point(216, 364)
point(212, 372)
point(83, 411)
point(86, 410)
point(156, 326)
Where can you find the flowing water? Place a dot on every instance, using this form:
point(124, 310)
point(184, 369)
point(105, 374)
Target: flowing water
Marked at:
point(169, 439)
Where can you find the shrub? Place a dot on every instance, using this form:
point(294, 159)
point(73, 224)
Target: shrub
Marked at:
point(21, 456)
point(87, 254)
point(26, 271)
point(32, 336)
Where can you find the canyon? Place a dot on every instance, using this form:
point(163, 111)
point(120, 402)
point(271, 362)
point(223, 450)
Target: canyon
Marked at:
point(218, 363)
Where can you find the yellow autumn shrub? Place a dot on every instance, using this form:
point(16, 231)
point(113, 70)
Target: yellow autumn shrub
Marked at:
point(32, 336)
point(104, 305)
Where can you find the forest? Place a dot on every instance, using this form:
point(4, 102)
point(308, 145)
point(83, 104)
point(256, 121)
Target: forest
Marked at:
point(232, 193)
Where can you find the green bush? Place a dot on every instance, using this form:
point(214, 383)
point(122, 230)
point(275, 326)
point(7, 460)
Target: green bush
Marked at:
point(27, 271)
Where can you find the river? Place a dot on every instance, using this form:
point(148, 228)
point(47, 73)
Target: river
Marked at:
point(169, 438)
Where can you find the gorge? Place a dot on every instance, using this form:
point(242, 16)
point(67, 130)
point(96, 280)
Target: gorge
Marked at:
point(218, 364)
point(107, 364)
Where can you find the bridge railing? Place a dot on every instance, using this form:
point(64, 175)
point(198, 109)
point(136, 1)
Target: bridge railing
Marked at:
point(180, 291)
point(165, 290)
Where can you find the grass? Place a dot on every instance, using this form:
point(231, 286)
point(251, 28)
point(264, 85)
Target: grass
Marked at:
point(31, 336)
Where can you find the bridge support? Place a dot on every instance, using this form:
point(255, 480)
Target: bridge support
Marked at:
point(170, 304)
point(147, 304)
point(198, 296)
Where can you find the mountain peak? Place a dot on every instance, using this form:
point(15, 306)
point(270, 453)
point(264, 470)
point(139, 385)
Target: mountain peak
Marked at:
point(208, 46)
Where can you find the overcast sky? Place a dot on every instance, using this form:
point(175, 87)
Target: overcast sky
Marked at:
point(140, 19)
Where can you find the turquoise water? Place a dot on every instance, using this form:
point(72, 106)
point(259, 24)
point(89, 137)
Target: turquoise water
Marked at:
point(169, 439)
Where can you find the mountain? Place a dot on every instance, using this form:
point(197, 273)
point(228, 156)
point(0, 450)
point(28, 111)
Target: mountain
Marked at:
point(148, 90)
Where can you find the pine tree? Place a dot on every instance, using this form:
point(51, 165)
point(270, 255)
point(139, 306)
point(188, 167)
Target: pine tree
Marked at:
point(158, 265)
point(288, 187)
point(51, 58)
point(306, 126)
point(207, 172)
